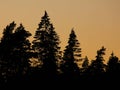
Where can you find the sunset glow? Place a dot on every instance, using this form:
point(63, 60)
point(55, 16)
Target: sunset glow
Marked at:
point(96, 22)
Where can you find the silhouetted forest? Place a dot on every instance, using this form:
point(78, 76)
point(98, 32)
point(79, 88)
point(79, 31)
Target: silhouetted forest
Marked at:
point(41, 62)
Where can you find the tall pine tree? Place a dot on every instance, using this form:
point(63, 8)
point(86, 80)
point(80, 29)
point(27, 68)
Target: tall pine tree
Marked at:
point(21, 50)
point(71, 56)
point(14, 49)
point(46, 44)
point(6, 46)
point(97, 66)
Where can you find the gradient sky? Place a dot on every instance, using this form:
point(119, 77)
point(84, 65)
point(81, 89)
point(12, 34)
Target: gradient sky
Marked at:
point(96, 22)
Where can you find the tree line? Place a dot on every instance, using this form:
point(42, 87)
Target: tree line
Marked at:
point(42, 59)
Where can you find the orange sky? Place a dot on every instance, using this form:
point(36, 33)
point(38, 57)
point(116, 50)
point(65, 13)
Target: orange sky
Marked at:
point(96, 22)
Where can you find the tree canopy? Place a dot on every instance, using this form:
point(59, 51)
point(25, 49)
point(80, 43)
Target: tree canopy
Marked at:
point(17, 53)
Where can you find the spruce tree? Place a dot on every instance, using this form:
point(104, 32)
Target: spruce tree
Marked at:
point(14, 48)
point(21, 50)
point(46, 45)
point(97, 67)
point(85, 65)
point(6, 46)
point(71, 56)
point(113, 65)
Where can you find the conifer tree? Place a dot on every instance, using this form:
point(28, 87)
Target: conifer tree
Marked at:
point(113, 65)
point(5, 44)
point(97, 67)
point(85, 64)
point(5, 51)
point(46, 44)
point(71, 56)
point(14, 48)
point(21, 50)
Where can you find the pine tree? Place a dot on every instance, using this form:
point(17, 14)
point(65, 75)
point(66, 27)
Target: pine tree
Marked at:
point(5, 51)
point(85, 63)
point(113, 65)
point(97, 66)
point(21, 50)
point(14, 48)
point(46, 44)
point(71, 56)
point(85, 66)
point(5, 44)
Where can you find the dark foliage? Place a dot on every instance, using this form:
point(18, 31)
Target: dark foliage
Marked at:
point(41, 64)
point(71, 56)
point(46, 45)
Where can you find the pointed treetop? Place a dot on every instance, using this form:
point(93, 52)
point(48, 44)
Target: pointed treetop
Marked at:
point(112, 54)
point(86, 58)
point(9, 28)
point(72, 34)
point(103, 48)
point(45, 13)
point(21, 25)
point(72, 30)
point(19, 28)
point(12, 23)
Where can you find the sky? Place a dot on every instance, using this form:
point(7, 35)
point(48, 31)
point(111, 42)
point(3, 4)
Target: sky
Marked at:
point(96, 22)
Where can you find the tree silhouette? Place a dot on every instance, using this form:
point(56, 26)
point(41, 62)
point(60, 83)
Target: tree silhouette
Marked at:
point(14, 52)
point(46, 44)
point(113, 65)
point(85, 63)
point(97, 67)
point(6, 46)
point(71, 56)
point(26, 63)
point(21, 50)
